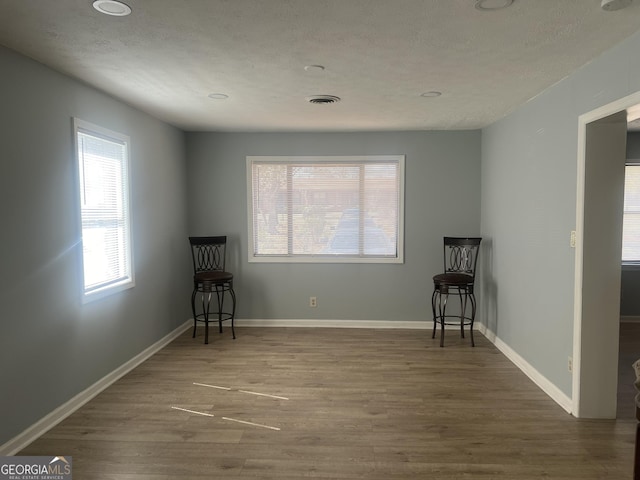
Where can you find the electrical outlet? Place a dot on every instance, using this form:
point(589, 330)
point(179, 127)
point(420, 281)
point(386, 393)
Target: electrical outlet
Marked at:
point(313, 302)
point(572, 239)
point(570, 365)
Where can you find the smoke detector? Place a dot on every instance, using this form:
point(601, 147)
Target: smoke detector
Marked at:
point(613, 5)
point(323, 99)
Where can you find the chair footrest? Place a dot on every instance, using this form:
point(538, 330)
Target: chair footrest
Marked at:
point(213, 317)
point(467, 320)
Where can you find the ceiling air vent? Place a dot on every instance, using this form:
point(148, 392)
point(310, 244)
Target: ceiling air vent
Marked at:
point(323, 99)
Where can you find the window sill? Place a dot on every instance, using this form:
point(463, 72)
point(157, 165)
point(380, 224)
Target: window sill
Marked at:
point(326, 259)
point(107, 291)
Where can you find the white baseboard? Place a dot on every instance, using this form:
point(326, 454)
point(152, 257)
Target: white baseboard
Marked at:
point(63, 411)
point(316, 323)
point(536, 377)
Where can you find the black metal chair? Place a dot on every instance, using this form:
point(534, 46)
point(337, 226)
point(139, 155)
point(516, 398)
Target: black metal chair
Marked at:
point(460, 259)
point(210, 277)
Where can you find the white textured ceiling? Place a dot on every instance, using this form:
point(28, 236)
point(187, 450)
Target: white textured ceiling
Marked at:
point(379, 56)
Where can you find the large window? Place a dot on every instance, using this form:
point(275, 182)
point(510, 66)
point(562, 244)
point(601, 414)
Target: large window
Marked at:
point(103, 178)
point(326, 209)
point(631, 222)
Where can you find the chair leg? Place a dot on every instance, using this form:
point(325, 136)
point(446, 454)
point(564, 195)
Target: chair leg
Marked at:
point(442, 310)
point(193, 310)
point(205, 309)
point(233, 310)
point(433, 308)
point(220, 294)
point(220, 298)
point(473, 315)
point(463, 308)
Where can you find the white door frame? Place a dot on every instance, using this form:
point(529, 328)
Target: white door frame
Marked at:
point(578, 353)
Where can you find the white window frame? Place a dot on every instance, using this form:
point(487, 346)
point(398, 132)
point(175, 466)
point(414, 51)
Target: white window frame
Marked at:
point(326, 258)
point(631, 264)
point(126, 280)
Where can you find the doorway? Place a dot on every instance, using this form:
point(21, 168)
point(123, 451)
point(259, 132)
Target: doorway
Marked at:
point(599, 206)
point(629, 299)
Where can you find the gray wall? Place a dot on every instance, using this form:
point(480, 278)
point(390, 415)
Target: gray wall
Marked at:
point(529, 172)
point(439, 166)
point(51, 346)
point(630, 298)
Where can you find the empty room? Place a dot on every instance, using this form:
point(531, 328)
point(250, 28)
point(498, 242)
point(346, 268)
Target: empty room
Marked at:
point(339, 239)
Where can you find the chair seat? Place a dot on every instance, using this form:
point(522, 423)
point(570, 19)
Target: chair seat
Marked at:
point(453, 279)
point(213, 277)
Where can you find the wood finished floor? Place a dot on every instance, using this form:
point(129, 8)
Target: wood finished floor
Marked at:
point(362, 404)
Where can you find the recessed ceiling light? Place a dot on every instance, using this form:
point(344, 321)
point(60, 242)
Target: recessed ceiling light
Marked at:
point(112, 7)
point(431, 94)
point(314, 68)
point(218, 96)
point(487, 5)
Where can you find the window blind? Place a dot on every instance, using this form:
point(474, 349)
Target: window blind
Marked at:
point(104, 209)
point(631, 221)
point(326, 208)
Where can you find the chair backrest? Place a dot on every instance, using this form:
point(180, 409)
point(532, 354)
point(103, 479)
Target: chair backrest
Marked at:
point(208, 253)
point(461, 254)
